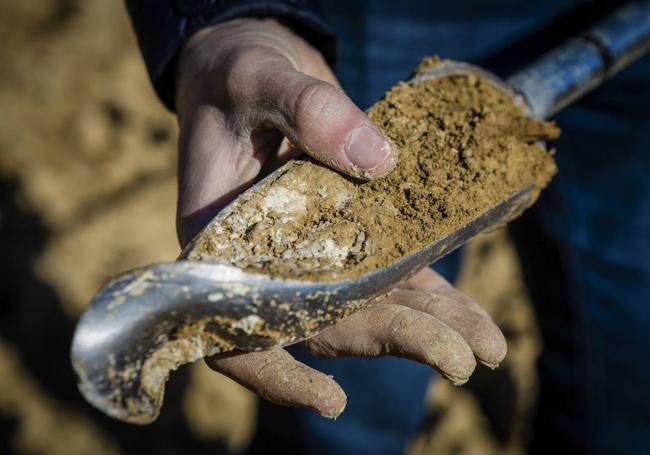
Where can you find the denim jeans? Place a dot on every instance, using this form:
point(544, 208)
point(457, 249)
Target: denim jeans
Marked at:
point(585, 246)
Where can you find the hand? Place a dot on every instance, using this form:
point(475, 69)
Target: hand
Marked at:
point(244, 85)
point(426, 320)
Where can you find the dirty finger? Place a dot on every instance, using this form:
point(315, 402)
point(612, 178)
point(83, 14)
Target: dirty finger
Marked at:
point(483, 336)
point(277, 377)
point(387, 329)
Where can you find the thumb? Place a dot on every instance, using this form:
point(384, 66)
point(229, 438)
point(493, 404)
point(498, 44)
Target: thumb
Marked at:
point(321, 120)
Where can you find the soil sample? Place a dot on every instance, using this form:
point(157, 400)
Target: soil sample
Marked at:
point(464, 145)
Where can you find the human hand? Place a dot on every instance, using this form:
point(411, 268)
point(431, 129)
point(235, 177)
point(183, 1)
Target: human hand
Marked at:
point(426, 320)
point(244, 85)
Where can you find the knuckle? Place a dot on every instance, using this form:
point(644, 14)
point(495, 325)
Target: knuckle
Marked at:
point(404, 321)
point(356, 336)
point(396, 328)
point(310, 100)
point(320, 347)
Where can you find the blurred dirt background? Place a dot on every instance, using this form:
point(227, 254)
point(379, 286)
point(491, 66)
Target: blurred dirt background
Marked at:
point(87, 189)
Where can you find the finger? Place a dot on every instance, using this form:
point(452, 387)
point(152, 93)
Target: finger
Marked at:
point(277, 377)
point(481, 334)
point(429, 280)
point(321, 120)
point(388, 329)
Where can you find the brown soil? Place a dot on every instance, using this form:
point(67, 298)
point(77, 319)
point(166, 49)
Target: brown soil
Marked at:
point(464, 145)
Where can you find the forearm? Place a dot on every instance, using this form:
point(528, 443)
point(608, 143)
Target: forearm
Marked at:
point(162, 27)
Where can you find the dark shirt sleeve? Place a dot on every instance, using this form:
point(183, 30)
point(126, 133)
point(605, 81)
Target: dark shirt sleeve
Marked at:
point(162, 26)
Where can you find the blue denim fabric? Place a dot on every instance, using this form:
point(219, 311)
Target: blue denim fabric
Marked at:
point(592, 295)
point(596, 215)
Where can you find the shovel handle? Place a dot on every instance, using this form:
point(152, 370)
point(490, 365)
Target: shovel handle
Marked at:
point(572, 69)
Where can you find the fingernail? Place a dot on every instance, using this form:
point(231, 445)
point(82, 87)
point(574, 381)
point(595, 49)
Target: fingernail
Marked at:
point(370, 151)
point(333, 410)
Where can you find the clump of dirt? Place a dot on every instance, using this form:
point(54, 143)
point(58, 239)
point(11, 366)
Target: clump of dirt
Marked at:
point(464, 145)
